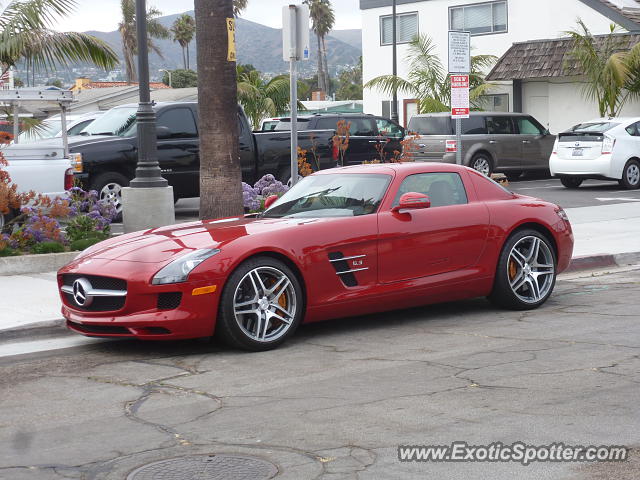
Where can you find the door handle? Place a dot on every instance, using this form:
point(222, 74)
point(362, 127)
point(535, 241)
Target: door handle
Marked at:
point(373, 141)
point(492, 142)
point(526, 141)
point(422, 145)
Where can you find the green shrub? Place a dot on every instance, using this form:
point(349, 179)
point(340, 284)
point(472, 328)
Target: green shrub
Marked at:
point(47, 247)
point(84, 243)
point(8, 252)
point(85, 226)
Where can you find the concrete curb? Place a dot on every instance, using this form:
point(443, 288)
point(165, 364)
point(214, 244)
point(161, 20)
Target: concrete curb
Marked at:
point(56, 327)
point(25, 264)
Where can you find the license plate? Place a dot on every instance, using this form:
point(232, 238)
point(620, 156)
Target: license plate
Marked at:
point(578, 152)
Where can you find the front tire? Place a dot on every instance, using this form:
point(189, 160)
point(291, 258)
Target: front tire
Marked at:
point(482, 163)
point(631, 175)
point(109, 186)
point(571, 182)
point(526, 272)
point(261, 305)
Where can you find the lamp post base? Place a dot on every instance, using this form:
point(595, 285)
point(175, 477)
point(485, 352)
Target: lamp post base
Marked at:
point(146, 208)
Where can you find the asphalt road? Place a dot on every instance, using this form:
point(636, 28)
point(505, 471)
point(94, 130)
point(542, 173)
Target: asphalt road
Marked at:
point(336, 401)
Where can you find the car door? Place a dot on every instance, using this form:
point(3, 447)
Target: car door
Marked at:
point(448, 236)
point(506, 145)
point(178, 153)
point(537, 144)
point(390, 135)
point(363, 137)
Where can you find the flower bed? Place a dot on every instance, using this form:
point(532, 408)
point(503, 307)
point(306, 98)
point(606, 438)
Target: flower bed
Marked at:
point(254, 197)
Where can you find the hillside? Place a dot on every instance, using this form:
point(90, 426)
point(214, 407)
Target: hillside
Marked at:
point(257, 44)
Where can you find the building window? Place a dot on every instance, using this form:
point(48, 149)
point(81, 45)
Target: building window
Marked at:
point(495, 103)
point(406, 28)
point(479, 19)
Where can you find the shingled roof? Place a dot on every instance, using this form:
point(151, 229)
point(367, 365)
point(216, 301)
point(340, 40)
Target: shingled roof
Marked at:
point(546, 58)
point(632, 14)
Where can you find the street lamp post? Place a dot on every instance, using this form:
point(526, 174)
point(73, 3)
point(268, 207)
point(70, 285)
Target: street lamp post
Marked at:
point(168, 72)
point(394, 33)
point(148, 202)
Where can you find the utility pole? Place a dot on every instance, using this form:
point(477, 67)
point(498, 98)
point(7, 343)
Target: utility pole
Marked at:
point(148, 201)
point(394, 34)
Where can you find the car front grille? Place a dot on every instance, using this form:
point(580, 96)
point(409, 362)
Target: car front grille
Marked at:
point(109, 293)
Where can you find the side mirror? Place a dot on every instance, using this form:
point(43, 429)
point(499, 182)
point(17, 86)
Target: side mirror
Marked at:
point(412, 201)
point(163, 132)
point(270, 200)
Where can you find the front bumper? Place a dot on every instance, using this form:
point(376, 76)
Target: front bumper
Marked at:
point(600, 167)
point(144, 317)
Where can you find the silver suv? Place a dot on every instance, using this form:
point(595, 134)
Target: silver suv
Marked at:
point(491, 141)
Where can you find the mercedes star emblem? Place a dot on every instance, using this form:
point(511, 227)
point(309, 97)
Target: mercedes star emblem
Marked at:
point(81, 289)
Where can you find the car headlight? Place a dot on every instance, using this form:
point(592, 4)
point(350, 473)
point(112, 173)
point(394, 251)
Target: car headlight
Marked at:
point(179, 270)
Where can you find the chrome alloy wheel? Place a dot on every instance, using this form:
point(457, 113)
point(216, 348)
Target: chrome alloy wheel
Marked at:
point(530, 269)
point(481, 164)
point(633, 174)
point(112, 193)
point(265, 304)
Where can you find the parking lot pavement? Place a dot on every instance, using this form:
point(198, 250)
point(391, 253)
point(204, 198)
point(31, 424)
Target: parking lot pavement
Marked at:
point(337, 400)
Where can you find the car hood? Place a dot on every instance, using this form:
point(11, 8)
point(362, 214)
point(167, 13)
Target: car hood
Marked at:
point(161, 245)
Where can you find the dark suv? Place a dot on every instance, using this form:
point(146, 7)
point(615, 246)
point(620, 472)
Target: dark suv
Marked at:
point(491, 141)
point(366, 133)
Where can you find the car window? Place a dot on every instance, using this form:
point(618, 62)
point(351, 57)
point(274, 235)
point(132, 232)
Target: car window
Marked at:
point(474, 125)
point(443, 188)
point(597, 127)
point(527, 127)
point(500, 126)
point(634, 129)
point(328, 123)
point(431, 125)
point(387, 128)
point(362, 127)
point(180, 122)
point(76, 129)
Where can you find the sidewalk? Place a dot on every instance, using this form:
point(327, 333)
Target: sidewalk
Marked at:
point(32, 300)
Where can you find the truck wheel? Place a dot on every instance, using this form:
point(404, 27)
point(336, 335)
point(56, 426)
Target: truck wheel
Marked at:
point(285, 176)
point(482, 163)
point(631, 175)
point(109, 187)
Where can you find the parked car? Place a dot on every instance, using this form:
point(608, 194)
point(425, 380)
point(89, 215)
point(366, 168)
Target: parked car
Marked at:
point(342, 242)
point(367, 133)
point(510, 143)
point(604, 148)
point(52, 127)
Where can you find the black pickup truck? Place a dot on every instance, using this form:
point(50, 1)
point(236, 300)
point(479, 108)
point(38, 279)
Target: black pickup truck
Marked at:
point(108, 150)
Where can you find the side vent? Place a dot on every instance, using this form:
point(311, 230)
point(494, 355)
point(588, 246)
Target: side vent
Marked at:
point(343, 270)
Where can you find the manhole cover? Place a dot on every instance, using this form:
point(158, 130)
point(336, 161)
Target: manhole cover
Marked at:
point(206, 467)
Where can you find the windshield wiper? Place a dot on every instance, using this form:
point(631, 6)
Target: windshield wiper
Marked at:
point(103, 133)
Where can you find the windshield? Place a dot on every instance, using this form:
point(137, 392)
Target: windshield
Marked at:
point(597, 127)
point(117, 121)
point(47, 129)
point(333, 195)
point(431, 125)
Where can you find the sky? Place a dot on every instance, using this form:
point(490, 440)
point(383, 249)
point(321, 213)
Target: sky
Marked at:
point(104, 15)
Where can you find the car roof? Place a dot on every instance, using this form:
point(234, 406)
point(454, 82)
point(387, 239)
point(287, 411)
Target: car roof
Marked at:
point(329, 114)
point(396, 168)
point(612, 120)
point(473, 114)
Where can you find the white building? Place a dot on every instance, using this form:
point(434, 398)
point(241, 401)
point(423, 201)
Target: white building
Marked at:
point(495, 26)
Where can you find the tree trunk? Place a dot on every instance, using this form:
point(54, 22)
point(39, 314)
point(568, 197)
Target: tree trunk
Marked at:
point(220, 173)
point(321, 84)
point(325, 67)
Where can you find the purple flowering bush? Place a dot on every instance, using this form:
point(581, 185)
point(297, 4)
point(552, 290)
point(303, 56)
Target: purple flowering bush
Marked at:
point(88, 217)
point(253, 197)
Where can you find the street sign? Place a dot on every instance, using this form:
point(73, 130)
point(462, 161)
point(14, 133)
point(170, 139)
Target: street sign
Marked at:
point(460, 96)
point(300, 48)
point(459, 52)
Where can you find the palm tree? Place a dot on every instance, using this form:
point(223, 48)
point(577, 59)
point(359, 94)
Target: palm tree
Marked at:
point(183, 29)
point(428, 80)
point(220, 174)
point(261, 99)
point(323, 19)
point(612, 70)
point(127, 29)
point(239, 6)
point(26, 32)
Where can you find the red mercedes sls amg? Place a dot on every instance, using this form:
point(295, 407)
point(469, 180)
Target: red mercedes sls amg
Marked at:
point(342, 242)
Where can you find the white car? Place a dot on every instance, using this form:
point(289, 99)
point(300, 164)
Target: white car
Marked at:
point(52, 127)
point(604, 148)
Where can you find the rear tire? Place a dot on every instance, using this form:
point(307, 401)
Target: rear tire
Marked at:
point(571, 182)
point(109, 186)
point(526, 272)
point(261, 306)
point(482, 163)
point(631, 175)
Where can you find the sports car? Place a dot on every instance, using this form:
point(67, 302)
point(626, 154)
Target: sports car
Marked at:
point(342, 242)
